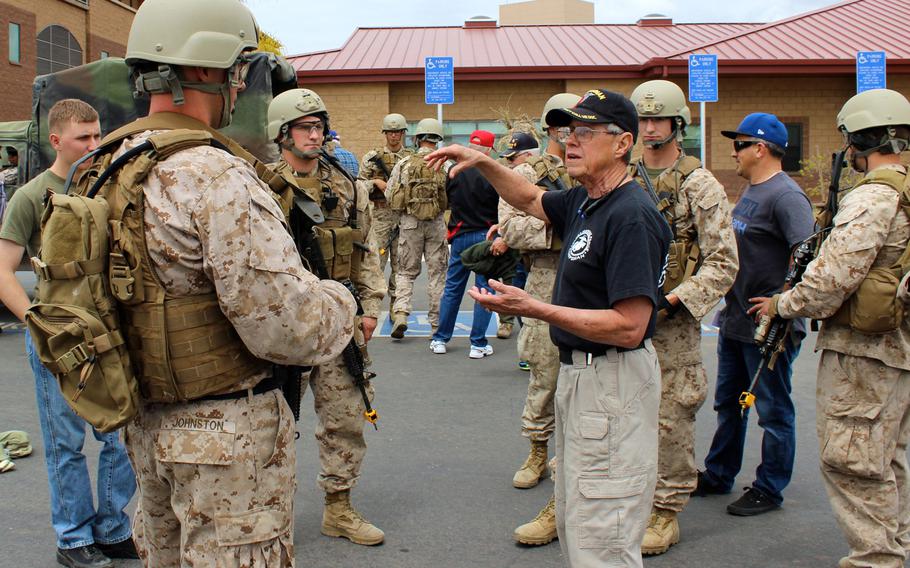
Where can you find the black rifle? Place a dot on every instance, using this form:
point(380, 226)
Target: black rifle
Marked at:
point(826, 219)
point(646, 180)
point(305, 215)
point(381, 165)
point(772, 333)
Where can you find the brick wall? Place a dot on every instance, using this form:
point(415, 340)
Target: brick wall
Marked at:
point(356, 111)
point(16, 86)
point(105, 27)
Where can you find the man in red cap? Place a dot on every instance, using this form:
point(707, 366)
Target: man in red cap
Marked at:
point(474, 205)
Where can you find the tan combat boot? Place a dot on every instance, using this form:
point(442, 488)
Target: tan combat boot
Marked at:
point(662, 532)
point(339, 518)
point(542, 529)
point(534, 468)
point(504, 331)
point(399, 325)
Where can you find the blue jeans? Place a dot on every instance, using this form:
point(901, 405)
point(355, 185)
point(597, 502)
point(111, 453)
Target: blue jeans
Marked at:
point(73, 514)
point(456, 280)
point(736, 363)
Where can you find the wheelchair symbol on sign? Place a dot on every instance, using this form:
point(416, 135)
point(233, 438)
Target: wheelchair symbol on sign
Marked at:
point(862, 58)
point(694, 63)
point(431, 64)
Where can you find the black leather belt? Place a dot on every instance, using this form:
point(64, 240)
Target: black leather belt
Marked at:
point(565, 355)
point(265, 385)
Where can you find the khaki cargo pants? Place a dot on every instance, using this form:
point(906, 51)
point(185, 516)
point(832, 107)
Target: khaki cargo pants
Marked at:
point(418, 240)
point(863, 424)
point(606, 455)
point(216, 482)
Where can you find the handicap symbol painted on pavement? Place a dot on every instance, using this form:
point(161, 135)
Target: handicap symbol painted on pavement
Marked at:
point(419, 325)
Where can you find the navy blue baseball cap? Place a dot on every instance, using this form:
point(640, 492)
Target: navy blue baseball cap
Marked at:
point(520, 142)
point(763, 126)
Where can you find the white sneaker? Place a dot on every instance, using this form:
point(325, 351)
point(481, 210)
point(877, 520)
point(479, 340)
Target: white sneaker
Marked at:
point(480, 352)
point(438, 347)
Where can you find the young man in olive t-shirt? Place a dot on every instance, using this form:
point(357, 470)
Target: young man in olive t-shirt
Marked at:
point(86, 536)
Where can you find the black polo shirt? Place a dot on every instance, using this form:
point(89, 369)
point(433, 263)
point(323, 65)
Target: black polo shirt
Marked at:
point(614, 248)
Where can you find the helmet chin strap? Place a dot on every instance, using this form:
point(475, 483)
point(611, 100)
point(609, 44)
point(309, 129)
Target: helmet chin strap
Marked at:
point(288, 144)
point(166, 80)
point(223, 89)
point(676, 134)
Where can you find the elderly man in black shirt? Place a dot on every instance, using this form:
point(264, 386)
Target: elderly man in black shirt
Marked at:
point(602, 318)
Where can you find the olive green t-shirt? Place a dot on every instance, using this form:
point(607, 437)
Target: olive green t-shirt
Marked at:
point(22, 219)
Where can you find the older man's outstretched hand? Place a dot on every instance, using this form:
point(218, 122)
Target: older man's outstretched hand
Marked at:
point(507, 299)
point(463, 157)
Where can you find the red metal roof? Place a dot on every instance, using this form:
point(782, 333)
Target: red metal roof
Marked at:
point(823, 41)
point(398, 53)
point(830, 36)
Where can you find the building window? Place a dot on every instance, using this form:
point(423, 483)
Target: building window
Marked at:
point(105, 55)
point(14, 43)
point(691, 142)
point(57, 50)
point(794, 155)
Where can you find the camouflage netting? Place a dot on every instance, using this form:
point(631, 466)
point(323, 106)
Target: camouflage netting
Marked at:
point(514, 122)
point(105, 84)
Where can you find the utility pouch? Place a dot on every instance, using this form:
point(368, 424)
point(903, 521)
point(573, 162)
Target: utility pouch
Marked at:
point(75, 327)
point(874, 308)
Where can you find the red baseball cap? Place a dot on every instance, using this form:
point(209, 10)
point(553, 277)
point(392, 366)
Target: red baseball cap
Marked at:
point(482, 138)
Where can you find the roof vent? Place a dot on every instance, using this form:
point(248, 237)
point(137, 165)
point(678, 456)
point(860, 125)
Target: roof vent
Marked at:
point(655, 20)
point(479, 22)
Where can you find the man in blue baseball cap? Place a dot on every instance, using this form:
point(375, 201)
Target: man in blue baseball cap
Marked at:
point(771, 217)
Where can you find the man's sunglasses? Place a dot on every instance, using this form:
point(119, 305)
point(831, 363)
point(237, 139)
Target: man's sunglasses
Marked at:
point(740, 145)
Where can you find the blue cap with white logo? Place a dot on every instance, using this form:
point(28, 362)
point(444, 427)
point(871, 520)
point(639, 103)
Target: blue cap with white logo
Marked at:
point(763, 126)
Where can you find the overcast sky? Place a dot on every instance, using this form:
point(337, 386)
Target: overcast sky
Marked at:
point(304, 25)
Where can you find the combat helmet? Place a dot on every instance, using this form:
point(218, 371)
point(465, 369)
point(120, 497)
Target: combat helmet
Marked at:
point(291, 105)
point(562, 100)
point(662, 99)
point(394, 122)
point(870, 121)
point(201, 33)
point(430, 128)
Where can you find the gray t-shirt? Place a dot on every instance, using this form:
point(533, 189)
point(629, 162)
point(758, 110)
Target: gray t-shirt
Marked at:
point(769, 220)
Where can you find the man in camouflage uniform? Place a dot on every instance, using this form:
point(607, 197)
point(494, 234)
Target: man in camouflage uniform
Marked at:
point(540, 247)
point(863, 404)
point(418, 194)
point(701, 268)
point(216, 473)
point(298, 121)
point(375, 168)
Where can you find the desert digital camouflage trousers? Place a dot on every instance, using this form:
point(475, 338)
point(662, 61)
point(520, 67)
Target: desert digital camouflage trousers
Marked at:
point(535, 347)
point(384, 223)
point(339, 432)
point(418, 240)
point(216, 482)
point(863, 424)
point(684, 387)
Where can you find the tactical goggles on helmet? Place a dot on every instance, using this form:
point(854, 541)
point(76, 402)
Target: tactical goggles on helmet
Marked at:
point(308, 127)
point(239, 70)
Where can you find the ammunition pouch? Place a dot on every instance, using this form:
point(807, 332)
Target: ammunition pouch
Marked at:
point(426, 197)
point(683, 260)
point(340, 251)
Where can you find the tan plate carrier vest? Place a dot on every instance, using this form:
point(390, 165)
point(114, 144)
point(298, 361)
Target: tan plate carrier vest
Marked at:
point(684, 257)
point(874, 307)
point(547, 175)
point(183, 348)
point(424, 196)
point(340, 237)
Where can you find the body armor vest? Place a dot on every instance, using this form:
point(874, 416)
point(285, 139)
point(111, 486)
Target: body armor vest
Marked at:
point(340, 236)
point(874, 307)
point(424, 196)
point(685, 255)
point(183, 348)
point(551, 177)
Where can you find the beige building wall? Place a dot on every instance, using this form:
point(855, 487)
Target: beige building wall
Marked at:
point(357, 109)
point(547, 12)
